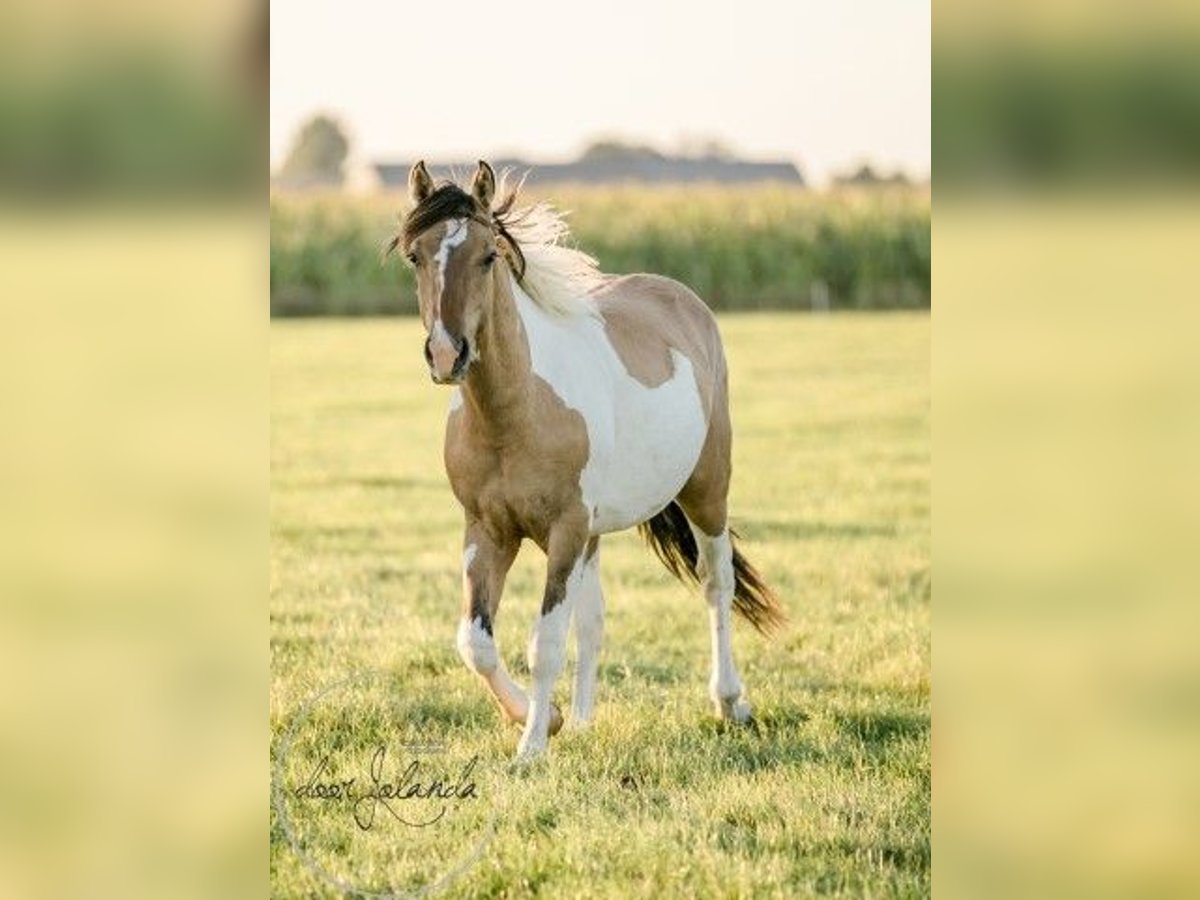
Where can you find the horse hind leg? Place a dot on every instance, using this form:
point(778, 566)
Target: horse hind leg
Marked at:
point(717, 575)
point(704, 501)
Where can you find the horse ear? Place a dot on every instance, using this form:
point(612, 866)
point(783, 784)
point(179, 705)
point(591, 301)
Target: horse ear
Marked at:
point(420, 185)
point(483, 186)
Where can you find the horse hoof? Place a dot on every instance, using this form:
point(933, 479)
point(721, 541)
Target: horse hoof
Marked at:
point(528, 753)
point(578, 722)
point(734, 709)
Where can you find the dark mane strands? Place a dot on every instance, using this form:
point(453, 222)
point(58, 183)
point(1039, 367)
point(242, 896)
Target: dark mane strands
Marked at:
point(449, 201)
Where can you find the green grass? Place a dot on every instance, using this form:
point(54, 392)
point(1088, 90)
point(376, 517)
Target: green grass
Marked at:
point(831, 493)
point(741, 248)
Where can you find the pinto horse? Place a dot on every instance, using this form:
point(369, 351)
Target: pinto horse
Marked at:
point(584, 404)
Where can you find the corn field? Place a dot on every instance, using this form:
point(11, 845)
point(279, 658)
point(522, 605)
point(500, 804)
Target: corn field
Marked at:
point(740, 248)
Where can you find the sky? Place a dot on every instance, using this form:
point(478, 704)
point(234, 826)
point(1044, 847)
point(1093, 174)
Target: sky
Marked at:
point(824, 85)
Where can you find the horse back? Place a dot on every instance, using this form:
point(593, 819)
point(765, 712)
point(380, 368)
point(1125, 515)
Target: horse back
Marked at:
point(648, 316)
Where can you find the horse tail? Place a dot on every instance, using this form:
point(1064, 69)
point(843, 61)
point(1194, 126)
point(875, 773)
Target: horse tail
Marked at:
point(670, 536)
point(753, 599)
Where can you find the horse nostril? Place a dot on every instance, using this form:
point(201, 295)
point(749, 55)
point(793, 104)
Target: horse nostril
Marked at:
point(438, 349)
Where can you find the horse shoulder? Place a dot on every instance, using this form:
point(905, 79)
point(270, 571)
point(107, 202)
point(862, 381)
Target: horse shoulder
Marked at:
point(465, 460)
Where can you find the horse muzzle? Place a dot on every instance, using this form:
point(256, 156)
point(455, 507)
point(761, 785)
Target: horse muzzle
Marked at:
point(448, 356)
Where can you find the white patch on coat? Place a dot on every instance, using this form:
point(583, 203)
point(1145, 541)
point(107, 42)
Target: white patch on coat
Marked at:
point(643, 442)
point(456, 400)
point(456, 233)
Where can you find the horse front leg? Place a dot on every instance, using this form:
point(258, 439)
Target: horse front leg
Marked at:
point(486, 561)
point(565, 575)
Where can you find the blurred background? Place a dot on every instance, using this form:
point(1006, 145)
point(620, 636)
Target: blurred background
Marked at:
point(1066, 386)
point(714, 146)
point(133, 384)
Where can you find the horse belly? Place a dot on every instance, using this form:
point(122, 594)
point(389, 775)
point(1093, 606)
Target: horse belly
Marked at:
point(641, 459)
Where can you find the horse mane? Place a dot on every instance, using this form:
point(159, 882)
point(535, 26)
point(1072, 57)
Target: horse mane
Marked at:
point(557, 277)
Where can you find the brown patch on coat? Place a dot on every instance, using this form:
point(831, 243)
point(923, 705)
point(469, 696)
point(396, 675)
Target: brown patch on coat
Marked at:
point(705, 495)
point(483, 580)
point(514, 451)
point(647, 316)
point(521, 479)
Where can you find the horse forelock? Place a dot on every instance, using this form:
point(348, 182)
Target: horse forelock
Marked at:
point(448, 201)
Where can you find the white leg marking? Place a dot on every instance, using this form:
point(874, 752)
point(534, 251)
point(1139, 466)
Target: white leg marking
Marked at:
point(716, 569)
point(547, 656)
point(478, 650)
point(589, 635)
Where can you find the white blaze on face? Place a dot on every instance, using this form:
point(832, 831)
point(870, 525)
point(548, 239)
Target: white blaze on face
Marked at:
point(441, 345)
point(456, 233)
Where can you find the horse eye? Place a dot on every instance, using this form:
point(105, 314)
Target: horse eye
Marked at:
point(412, 258)
point(489, 259)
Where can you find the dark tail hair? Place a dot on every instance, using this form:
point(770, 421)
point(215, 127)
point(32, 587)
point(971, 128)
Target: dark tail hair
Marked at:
point(670, 535)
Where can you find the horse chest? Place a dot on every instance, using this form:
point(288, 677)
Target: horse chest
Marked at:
point(523, 486)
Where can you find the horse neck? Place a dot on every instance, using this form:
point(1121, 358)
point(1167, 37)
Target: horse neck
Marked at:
point(497, 387)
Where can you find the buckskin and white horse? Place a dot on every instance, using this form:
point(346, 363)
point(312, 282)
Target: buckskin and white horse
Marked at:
point(584, 404)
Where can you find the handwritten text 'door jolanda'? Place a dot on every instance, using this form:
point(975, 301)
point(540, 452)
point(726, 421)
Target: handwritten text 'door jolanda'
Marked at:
point(414, 793)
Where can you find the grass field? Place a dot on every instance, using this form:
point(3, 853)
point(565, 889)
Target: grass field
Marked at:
point(831, 493)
